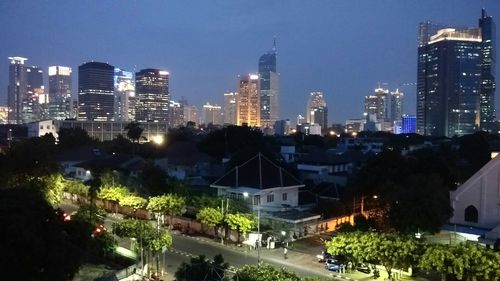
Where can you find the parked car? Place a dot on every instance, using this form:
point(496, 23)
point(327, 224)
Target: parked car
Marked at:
point(323, 256)
point(363, 268)
point(334, 265)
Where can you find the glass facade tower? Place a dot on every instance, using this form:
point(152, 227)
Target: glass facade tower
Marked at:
point(59, 92)
point(152, 94)
point(96, 92)
point(455, 80)
point(269, 89)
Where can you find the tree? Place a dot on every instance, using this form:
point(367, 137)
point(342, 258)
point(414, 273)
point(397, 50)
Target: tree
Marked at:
point(133, 201)
point(73, 137)
point(463, 261)
point(212, 217)
point(115, 193)
point(169, 205)
point(239, 222)
point(154, 179)
point(134, 131)
point(34, 244)
point(264, 272)
point(201, 268)
point(390, 250)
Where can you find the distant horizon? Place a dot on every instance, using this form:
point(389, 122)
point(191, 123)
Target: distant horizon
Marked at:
point(323, 46)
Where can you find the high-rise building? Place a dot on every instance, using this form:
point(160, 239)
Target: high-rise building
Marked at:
point(377, 106)
point(60, 92)
point(124, 95)
point(230, 107)
point(35, 105)
point(191, 114)
point(153, 96)
point(455, 79)
point(317, 111)
point(17, 89)
point(176, 114)
point(96, 91)
point(269, 88)
point(396, 104)
point(488, 62)
point(408, 124)
point(212, 114)
point(248, 101)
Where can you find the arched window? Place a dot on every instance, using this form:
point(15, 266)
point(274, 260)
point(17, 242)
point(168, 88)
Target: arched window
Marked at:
point(471, 214)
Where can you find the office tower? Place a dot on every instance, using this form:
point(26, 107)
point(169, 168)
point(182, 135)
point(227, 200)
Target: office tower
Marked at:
point(230, 107)
point(248, 112)
point(300, 119)
point(317, 111)
point(96, 92)
point(396, 105)
point(488, 61)
point(191, 114)
point(455, 81)
point(269, 89)
point(377, 105)
point(176, 114)
point(282, 127)
point(124, 104)
point(17, 89)
point(212, 114)
point(35, 105)
point(408, 124)
point(60, 92)
point(152, 94)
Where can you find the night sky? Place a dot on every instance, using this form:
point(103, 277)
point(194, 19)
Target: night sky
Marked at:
point(342, 48)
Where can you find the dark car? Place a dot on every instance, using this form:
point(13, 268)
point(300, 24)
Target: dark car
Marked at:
point(334, 265)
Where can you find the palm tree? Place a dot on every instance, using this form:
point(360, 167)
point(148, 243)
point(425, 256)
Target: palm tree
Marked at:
point(134, 131)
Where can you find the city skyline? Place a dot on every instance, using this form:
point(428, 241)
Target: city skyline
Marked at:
point(312, 54)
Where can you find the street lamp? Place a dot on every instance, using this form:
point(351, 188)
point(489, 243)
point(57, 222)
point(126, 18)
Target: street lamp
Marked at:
point(245, 194)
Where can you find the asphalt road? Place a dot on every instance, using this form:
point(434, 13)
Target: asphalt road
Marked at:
point(183, 248)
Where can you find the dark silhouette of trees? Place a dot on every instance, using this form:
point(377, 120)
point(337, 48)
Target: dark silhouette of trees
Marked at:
point(73, 137)
point(201, 268)
point(134, 131)
point(34, 243)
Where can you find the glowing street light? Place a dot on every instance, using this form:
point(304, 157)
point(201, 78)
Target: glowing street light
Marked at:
point(158, 139)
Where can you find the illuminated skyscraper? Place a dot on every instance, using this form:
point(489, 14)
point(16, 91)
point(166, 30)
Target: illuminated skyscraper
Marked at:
point(191, 114)
point(153, 97)
point(269, 88)
point(396, 102)
point(248, 111)
point(35, 105)
point(455, 79)
point(124, 95)
point(488, 62)
point(96, 92)
point(212, 114)
point(176, 114)
point(377, 106)
point(60, 92)
point(17, 89)
point(230, 107)
point(317, 111)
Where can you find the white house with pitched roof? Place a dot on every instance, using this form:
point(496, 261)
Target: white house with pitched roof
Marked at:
point(476, 203)
point(267, 186)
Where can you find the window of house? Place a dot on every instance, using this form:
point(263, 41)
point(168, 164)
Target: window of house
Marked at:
point(256, 200)
point(471, 214)
point(270, 197)
point(284, 196)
